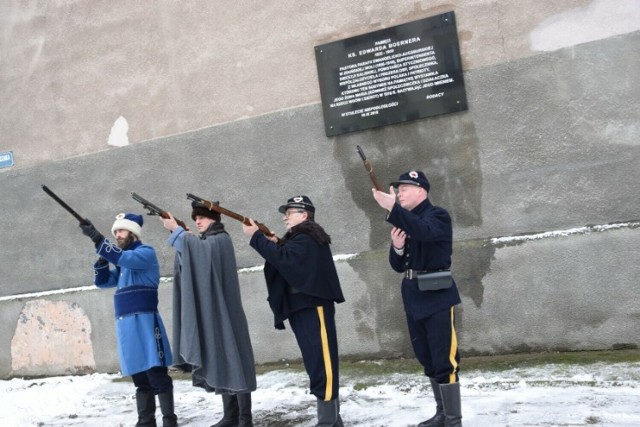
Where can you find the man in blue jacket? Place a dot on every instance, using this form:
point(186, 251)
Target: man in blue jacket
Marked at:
point(303, 286)
point(421, 242)
point(143, 347)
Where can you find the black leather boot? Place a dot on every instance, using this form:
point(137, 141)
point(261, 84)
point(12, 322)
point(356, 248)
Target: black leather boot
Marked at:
point(438, 419)
point(328, 415)
point(244, 405)
point(339, 422)
point(146, 405)
point(451, 404)
point(231, 411)
point(169, 418)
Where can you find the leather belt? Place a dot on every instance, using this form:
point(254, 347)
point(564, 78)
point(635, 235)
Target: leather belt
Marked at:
point(413, 274)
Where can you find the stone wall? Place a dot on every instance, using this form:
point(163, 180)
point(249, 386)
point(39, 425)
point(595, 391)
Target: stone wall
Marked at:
point(540, 174)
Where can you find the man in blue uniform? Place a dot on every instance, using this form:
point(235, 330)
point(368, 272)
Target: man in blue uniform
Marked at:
point(421, 242)
point(303, 286)
point(143, 347)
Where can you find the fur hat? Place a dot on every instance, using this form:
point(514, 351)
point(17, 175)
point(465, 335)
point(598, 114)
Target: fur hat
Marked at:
point(128, 221)
point(414, 178)
point(298, 202)
point(199, 210)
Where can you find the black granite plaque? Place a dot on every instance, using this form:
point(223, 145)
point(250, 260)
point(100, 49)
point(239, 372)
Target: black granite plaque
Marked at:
point(389, 76)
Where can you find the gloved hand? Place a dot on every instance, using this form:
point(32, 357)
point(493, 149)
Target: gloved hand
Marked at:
point(89, 230)
point(101, 263)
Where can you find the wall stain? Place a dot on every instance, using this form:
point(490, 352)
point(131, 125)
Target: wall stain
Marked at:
point(52, 337)
point(378, 311)
point(471, 262)
point(444, 147)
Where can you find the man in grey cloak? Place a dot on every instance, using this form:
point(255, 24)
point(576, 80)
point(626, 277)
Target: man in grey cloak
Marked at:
point(210, 331)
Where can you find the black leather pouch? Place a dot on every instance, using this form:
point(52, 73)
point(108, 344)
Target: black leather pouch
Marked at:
point(435, 281)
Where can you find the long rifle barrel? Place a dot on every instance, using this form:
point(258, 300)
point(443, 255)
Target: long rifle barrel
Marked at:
point(369, 167)
point(243, 219)
point(155, 210)
point(64, 205)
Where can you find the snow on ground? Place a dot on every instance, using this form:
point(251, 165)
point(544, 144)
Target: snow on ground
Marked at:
point(597, 394)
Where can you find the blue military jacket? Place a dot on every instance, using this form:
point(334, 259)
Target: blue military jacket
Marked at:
point(427, 247)
point(142, 338)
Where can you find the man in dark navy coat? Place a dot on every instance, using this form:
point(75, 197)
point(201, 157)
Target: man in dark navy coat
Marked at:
point(303, 286)
point(421, 242)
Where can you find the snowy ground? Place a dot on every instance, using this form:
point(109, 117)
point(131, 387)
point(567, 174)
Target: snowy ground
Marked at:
point(598, 394)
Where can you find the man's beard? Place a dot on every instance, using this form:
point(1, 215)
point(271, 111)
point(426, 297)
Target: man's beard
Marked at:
point(124, 243)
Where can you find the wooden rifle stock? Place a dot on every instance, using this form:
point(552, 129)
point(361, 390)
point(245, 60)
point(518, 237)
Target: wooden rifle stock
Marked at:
point(64, 205)
point(369, 167)
point(243, 219)
point(155, 210)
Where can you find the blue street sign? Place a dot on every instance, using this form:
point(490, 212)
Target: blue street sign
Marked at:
point(6, 159)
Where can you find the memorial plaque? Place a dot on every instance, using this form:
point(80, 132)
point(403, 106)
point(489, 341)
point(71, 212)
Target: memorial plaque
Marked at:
point(389, 76)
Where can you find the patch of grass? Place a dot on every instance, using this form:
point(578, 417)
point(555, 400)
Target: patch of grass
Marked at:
point(364, 373)
point(284, 365)
point(525, 360)
point(361, 386)
point(358, 367)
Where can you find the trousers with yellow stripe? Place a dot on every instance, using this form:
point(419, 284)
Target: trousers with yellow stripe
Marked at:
point(315, 331)
point(435, 345)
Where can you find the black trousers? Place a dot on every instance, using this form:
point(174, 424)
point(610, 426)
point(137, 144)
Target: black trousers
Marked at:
point(435, 345)
point(155, 380)
point(315, 331)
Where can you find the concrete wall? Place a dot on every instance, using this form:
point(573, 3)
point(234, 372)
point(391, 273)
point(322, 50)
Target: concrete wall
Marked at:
point(223, 102)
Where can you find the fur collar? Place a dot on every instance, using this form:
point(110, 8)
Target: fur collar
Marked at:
point(214, 228)
point(311, 228)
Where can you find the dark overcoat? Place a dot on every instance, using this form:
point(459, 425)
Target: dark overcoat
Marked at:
point(302, 263)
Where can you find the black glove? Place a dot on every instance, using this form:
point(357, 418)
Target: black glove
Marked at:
point(89, 230)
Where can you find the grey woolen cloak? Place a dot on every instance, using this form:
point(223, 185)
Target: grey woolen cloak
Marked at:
point(210, 329)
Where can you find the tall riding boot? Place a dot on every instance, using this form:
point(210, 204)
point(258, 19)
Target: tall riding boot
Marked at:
point(339, 421)
point(328, 413)
point(146, 404)
point(231, 411)
point(169, 418)
point(451, 404)
point(438, 419)
point(244, 404)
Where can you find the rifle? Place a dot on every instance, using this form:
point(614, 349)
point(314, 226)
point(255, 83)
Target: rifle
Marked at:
point(64, 205)
point(369, 167)
point(215, 207)
point(155, 210)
